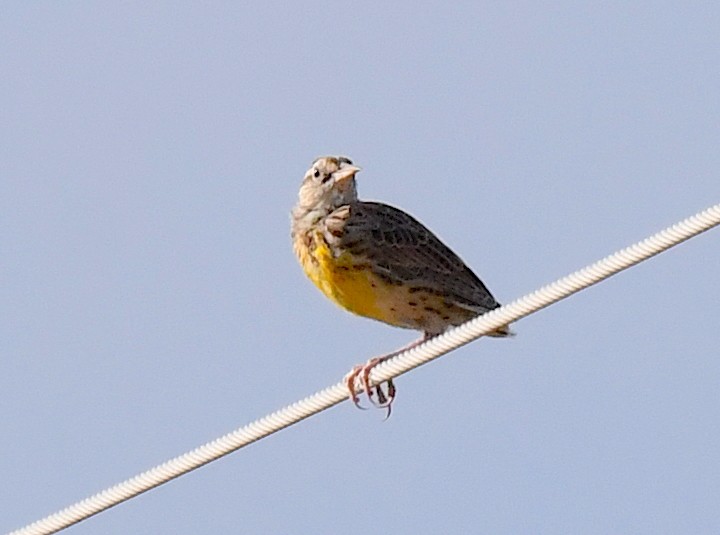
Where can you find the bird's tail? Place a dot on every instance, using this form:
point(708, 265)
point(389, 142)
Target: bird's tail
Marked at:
point(501, 332)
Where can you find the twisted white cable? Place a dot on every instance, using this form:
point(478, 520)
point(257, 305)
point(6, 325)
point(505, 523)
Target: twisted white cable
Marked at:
point(398, 365)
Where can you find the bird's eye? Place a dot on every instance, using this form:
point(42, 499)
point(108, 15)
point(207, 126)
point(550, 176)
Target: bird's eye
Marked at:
point(316, 174)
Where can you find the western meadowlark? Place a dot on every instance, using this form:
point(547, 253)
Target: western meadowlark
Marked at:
point(380, 262)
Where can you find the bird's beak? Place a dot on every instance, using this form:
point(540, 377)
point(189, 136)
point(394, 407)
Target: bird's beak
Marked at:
point(341, 175)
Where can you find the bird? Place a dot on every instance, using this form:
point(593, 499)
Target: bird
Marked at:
point(379, 262)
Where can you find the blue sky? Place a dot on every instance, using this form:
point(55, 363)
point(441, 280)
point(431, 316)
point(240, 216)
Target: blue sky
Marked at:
point(150, 300)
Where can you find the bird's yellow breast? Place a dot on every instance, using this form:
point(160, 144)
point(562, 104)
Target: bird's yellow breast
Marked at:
point(345, 281)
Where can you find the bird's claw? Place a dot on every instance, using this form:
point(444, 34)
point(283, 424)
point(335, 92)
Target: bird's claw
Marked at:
point(384, 399)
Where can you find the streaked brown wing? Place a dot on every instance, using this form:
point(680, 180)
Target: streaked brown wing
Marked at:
point(401, 248)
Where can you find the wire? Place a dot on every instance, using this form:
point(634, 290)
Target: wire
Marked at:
point(398, 365)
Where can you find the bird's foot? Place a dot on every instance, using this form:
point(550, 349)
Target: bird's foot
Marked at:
point(386, 397)
point(362, 371)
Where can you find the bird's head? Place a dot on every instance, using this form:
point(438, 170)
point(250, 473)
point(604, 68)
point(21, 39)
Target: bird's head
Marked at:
point(328, 184)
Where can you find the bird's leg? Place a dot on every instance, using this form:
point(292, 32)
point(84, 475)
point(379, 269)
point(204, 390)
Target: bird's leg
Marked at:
point(362, 371)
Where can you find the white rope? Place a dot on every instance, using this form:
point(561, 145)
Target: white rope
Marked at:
point(398, 365)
